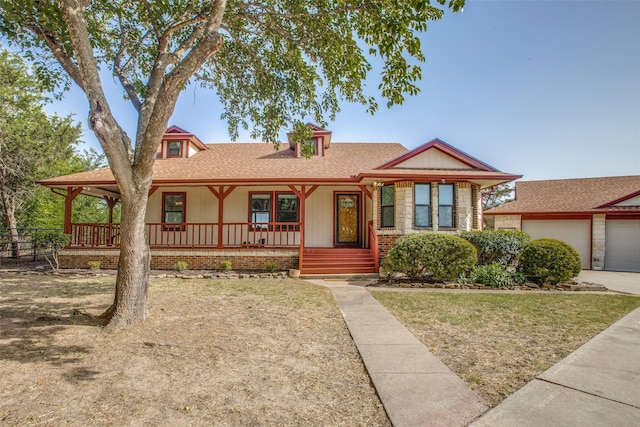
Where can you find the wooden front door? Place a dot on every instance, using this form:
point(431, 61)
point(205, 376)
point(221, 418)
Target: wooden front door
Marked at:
point(347, 232)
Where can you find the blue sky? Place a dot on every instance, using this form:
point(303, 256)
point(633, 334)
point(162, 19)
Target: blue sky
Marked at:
point(545, 89)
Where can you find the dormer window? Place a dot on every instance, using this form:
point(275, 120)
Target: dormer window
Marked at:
point(310, 147)
point(174, 149)
point(315, 146)
point(178, 143)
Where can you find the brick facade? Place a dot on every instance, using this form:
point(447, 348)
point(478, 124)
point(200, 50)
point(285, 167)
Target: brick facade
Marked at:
point(197, 260)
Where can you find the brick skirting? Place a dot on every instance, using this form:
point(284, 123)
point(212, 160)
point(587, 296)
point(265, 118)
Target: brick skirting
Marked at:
point(197, 260)
point(385, 243)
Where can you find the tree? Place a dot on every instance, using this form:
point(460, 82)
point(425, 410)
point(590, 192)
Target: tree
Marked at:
point(271, 63)
point(32, 144)
point(45, 209)
point(495, 196)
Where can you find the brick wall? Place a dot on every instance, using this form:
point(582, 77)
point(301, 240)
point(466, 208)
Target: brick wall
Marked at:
point(197, 260)
point(385, 243)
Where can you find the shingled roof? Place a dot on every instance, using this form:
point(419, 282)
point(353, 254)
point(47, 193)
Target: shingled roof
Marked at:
point(236, 163)
point(584, 195)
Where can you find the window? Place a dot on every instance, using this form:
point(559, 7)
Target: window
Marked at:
point(173, 210)
point(174, 149)
point(260, 210)
point(445, 205)
point(422, 202)
point(287, 208)
point(387, 205)
point(310, 147)
point(263, 210)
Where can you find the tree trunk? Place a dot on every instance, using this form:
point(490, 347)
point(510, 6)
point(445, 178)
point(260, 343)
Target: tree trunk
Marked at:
point(132, 283)
point(10, 213)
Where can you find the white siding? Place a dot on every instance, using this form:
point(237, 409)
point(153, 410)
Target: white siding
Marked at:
point(622, 245)
point(577, 233)
point(319, 218)
point(634, 201)
point(432, 159)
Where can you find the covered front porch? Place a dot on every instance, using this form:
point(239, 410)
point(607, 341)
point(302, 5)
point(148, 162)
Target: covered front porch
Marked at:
point(282, 225)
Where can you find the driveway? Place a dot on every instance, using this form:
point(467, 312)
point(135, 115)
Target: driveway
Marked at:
point(616, 281)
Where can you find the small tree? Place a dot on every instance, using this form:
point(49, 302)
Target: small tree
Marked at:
point(53, 241)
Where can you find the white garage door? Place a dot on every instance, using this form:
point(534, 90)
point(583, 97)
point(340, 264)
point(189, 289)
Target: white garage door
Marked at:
point(622, 245)
point(577, 233)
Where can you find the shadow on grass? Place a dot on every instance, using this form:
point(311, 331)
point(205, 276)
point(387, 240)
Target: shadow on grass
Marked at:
point(36, 312)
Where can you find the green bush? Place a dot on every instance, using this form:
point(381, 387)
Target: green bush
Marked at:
point(181, 265)
point(549, 261)
point(501, 246)
point(495, 275)
point(225, 265)
point(271, 266)
point(94, 265)
point(443, 256)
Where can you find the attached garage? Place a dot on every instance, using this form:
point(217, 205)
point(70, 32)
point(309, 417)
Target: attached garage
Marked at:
point(577, 233)
point(600, 217)
point(622, 245)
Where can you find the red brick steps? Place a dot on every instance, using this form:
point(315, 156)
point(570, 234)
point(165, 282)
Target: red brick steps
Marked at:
point(338, 261)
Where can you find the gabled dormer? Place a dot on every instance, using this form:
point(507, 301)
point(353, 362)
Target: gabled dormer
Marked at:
point(317, 145)
point(178, 143)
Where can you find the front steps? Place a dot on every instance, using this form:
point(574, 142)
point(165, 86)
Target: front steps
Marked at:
point(341, 261)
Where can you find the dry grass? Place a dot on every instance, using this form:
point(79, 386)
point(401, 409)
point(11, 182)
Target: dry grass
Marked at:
point(226, 353)
point(499, 342)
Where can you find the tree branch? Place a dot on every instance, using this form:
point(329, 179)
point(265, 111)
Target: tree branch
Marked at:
point(114, 141)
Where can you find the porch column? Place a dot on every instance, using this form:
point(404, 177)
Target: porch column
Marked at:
point(302, 194)
point(111, 203)
point(72, 193)
point(220, 194)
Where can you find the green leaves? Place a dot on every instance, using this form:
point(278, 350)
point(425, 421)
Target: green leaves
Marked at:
point(281, 61)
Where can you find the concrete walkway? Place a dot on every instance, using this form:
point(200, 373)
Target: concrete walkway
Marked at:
point(618, 281)
point(597, 385)
point(415, 388)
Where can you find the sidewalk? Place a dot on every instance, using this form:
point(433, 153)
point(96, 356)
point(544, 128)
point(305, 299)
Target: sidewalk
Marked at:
point(416, 389)
point(597, 385)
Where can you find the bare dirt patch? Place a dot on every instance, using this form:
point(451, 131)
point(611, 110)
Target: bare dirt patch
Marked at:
point(214, 352)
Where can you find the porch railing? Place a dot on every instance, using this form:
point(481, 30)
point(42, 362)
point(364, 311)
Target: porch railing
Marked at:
point(194, 235)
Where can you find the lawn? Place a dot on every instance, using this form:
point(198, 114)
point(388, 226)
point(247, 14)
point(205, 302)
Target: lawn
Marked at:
point(213, 352)
point(497, 342)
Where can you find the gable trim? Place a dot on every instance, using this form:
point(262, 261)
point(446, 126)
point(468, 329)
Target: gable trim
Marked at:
point(445, 149)
point(621, 199)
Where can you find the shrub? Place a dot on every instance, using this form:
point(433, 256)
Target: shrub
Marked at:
point(495, 275)
point(443, 256)
point(549, 261)
point(225, 265)
point(501, 246)
point(94, 265)
point(271, 266)
point(181, 265)
point(53, 240)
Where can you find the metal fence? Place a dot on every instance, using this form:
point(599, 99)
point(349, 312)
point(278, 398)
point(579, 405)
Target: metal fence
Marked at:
point(26, 246)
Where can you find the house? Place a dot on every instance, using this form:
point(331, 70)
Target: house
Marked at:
point(600, 217)
point(336, 212)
